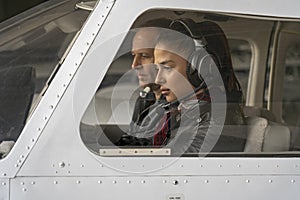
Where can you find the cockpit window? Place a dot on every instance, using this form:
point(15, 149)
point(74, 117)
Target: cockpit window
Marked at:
point(187, 84)
point(32, 46)
point(133, 111)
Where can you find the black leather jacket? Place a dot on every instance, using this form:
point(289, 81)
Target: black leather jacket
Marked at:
point(194, 129)
point(200, 131)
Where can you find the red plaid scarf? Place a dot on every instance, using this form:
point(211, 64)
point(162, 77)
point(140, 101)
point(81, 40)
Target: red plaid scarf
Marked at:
point(161, 135)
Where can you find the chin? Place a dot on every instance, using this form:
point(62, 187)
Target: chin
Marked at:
point(170, 99)
point(142, 84)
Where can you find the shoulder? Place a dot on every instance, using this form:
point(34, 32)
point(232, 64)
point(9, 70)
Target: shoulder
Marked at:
point(195, 109)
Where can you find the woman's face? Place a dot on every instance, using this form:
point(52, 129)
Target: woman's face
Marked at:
point(171, 75)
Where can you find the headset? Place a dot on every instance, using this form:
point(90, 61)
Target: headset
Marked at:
point(200, 62)
point(204, 62)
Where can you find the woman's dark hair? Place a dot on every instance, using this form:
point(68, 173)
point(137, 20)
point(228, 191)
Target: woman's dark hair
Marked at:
point(217, 45)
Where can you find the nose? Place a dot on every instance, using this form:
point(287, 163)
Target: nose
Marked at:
point(136, 62)
point(159, 79)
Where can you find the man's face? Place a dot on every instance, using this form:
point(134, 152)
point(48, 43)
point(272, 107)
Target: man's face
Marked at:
point(171, 74)
point(143, 56)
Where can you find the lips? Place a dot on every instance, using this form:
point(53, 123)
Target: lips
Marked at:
point(164, 91)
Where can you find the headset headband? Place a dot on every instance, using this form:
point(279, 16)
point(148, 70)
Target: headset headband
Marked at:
point(190, 27)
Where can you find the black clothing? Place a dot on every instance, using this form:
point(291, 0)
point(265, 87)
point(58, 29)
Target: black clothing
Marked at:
point(141, 107)
point(193, 129)
point(192, 126)
point(199, 131)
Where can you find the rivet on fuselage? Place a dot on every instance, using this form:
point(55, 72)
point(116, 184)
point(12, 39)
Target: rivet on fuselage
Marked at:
point(61, 164)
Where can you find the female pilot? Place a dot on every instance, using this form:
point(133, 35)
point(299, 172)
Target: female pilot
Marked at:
point(195, 71)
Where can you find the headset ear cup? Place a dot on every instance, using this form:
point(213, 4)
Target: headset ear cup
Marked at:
point(201, 64)
point(194, 67)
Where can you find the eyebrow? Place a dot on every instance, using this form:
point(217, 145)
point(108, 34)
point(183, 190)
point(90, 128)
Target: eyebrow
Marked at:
point(166, 61)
